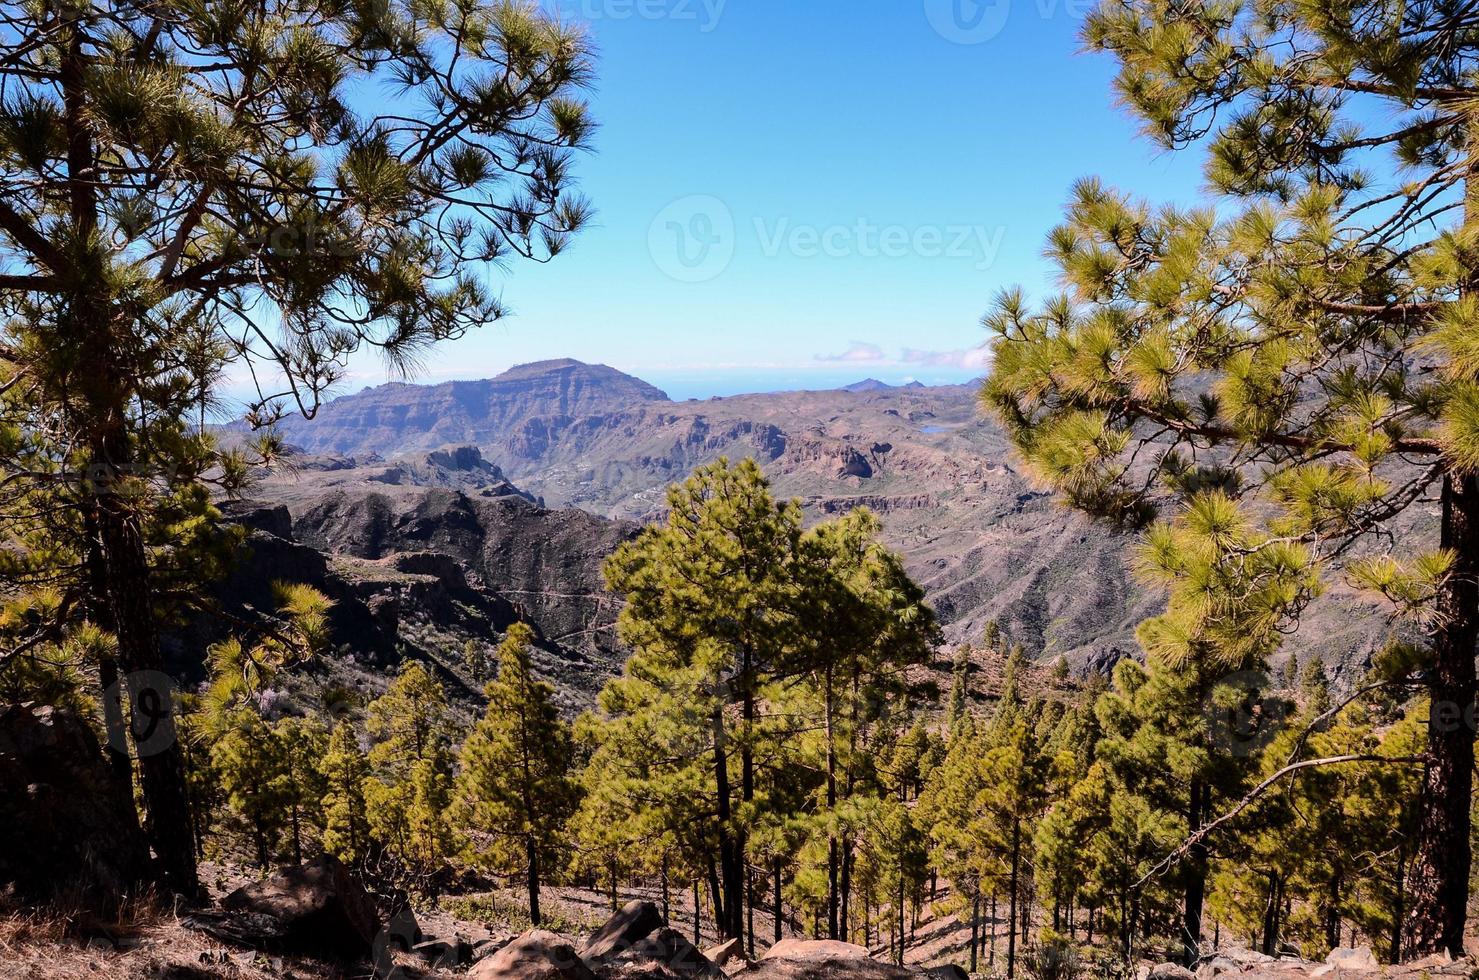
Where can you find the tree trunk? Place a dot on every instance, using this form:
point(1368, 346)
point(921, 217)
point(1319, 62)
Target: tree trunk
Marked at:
point(776, 871)
point(532, 853)
point(117, 562)
point(716, 896)
point(1439, 885)
point(727, 909)
point(1196, 877)
point(832, 856)
point(698, 910)
point(1012, 899)
point(975, 929)
point(750, 910)
point(1398, 907)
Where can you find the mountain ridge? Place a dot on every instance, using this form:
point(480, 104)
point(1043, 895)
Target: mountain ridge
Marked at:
point(985, 542)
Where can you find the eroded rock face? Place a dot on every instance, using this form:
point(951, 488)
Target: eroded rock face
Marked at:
point(318, 907)
point(71, 830)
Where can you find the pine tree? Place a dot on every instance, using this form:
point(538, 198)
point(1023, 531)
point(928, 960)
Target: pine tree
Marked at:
point(707, 609)
point(344, 770)
point(960, 687)
point(248, 761)
point(410, 790)
point(225, 187)
point(514, 790)
point(302, 745)
point(1315, 328)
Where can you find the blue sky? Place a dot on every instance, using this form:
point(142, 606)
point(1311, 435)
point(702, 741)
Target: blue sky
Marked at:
point(806, 193)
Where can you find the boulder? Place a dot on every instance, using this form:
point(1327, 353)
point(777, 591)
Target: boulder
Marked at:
point(948, 972)
point(666, 953)
point(635, 921)
point(318, 907)
point(73, 826)
point(1233, 960)
point(1170, 971)
point(731, 951)
point(815, 951)
point(824, 959)
point(1361, 958)
point(536, 955)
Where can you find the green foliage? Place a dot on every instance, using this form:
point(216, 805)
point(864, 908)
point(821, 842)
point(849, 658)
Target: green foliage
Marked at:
point(412, 762)
point(344, 769)
point(514, 794)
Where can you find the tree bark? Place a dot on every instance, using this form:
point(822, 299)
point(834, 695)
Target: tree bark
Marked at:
point(1012, 899)
point(1196, 877)
point(832, 856)
point(776, 871)
point(1439, 883)
point(727, 911)
point(532, 853)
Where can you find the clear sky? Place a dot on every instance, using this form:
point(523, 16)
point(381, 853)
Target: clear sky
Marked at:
point(803, 193)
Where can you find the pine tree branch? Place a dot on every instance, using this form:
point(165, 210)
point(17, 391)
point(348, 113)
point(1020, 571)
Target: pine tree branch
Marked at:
point(26, 236)
point(1166, 863)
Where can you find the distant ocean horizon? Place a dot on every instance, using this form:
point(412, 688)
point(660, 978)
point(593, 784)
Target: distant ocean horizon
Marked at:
point(682, 385)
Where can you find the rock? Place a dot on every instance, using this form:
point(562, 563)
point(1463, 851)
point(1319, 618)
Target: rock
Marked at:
point(484, 948)
point(70, 828)
point(637, 920)
point(536, 955)
point(824, 959)
point(815, 951)
point(1360, 958)
point(318, 907)
point(725, 952)
point(668, 952)
point(947, 972)
point(1170, 971)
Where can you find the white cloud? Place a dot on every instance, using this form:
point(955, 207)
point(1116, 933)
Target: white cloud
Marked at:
point(857, 351)
point(969, 359)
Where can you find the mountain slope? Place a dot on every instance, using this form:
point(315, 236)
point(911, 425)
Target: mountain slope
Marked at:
point(984, 542)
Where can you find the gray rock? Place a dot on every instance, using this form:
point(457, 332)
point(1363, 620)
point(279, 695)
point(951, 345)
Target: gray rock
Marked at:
point(1361, 958)
point(635, 921)
point(666, 953)
point(1170, 971)
point(536, 955)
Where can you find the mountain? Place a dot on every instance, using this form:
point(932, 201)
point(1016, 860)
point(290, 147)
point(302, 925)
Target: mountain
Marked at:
point(981, 538)
point(873, 384)
point(529, 398)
